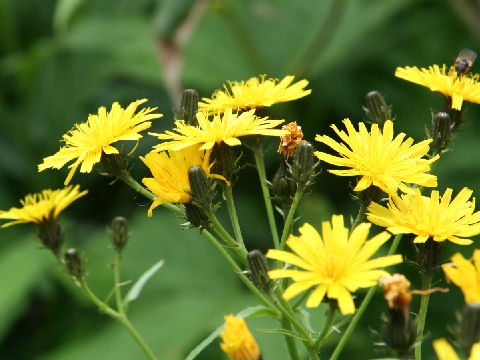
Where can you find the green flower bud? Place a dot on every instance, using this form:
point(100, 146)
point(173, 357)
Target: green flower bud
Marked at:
point(467, 332)
point(303, 168)
point(376, 109)
point(399, 332)
point(259, 270)
point(196, 216)
point(74, 263)
point(200, 187)
point(441, 132)
point(189, 107)
point(119, 233)
point(283, 187)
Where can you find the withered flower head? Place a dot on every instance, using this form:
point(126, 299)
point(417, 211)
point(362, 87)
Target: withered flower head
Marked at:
point(289, 142)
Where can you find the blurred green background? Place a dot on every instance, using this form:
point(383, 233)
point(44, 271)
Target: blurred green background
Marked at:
point(61, 60)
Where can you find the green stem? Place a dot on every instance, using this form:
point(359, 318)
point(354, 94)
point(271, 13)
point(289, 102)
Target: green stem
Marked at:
point(116, 279)
point(260, 164)
point(127, 179)
point(119, 317)
point(356, 318)
point(237, 270)
point(289, 220)
point(238, 252)
point(332, 312)
point(291, 345)
point(361, 214)
point(227, 191)
point(422, 314)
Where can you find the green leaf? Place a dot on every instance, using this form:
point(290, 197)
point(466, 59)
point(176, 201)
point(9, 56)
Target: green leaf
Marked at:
point(140, 283)
point(284, 332)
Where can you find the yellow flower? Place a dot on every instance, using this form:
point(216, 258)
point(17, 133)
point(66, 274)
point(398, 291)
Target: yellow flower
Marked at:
point(459, 88)
point(238, 341)
point(378, 158)
point(445, 351)
point(42, 207)
point(225, 128)
point(336, 265)
point(436, 216)
point(170, 174)
point(465, 275)
point(254, 93)
point(86, 142)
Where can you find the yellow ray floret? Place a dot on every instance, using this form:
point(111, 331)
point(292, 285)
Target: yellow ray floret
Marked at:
point(466, 275)
point(445, 351)
point(335, 263)
point(254, 93)
point(460, 88)
point(438, 217)
point(238, 342)
point(86, 142)
point(40, 207)
point(170, 174)
point(226, 127)
point(378, 158)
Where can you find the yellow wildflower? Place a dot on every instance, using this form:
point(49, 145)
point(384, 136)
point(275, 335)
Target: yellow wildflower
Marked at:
point(42, 207)
point(238, 342)
point(254, 93)
point(336, 265)
point(378, 158)
point(226, 127)
point(457, 87)
point(170, 174)
point(445, 351)
point(86, 142)
point(438, 217)
point(465, 275)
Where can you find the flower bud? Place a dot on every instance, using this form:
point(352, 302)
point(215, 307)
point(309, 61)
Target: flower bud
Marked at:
point(50, 235)
point(74, 263)
point(259, 270)
point(200, 187)
point(189, 107)
point(225, 161)
point(303, 168)
point(195, 216)
point(399, 330)
point(119, 233)
point(441, 132)
point(376, 109)
point(283, 187)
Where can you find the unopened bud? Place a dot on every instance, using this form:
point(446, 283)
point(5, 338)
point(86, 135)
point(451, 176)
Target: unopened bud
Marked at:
point(74, 263)
point(225, 160)
point(119, 233)
point(50, 235)
point(259, 270)
point(376, 109)
point(189, 107)
point(441, 132)
point(283, 187)
point(195, 215)
point(200, 187)
point(303, 168)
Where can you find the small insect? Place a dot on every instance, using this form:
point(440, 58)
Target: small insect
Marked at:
point(464, 60)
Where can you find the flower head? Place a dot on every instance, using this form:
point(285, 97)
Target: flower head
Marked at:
point(86, 142)
point(463, 87)
point(335, 265)
point(42, 207)
point(254, 93)
point(238, 341)
point(378, 158)
point(438, 217)
point(465, 275)
point(226, 127)
point(445, 351)
point(397, 291)
point(170, 174)
point(290, 141)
